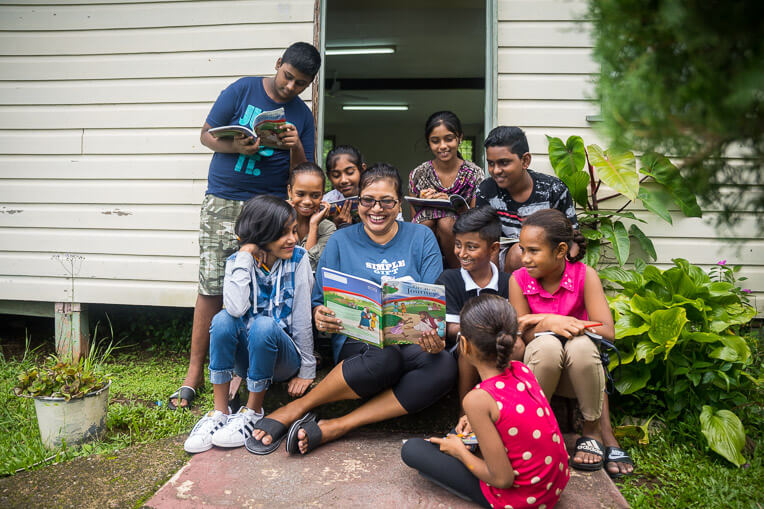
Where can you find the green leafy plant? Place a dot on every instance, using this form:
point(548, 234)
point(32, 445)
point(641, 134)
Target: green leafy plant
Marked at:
point(585, 169)
point(677, 330)
point(60, 379)
point(64, 378)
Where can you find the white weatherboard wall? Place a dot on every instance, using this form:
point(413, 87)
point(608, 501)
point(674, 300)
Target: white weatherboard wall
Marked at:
point(545, 73)
point(101, 105)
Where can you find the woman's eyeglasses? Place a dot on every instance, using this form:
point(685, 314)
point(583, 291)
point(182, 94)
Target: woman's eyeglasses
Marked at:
point(385, 203)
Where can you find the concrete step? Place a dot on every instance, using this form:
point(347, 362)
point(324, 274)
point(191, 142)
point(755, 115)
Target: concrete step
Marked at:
point(363, 469)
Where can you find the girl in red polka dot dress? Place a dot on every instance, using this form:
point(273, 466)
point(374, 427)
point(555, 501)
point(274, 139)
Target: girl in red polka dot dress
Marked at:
point(522, 462)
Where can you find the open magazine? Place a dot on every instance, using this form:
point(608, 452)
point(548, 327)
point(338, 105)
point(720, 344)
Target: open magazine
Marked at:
point(267, 126)
point(455, 203)
point(395, 312)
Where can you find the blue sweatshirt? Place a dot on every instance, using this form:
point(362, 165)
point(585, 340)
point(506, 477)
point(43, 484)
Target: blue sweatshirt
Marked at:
point(412, 252)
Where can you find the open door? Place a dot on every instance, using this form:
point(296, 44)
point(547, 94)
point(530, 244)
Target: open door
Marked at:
point(390, 64)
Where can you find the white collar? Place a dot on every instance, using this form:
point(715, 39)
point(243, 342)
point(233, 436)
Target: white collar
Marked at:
point(469, 283)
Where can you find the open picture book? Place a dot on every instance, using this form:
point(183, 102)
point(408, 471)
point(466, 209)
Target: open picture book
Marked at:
point(335, 207)
point(398, 311)
point(267, 126)
point(455, 203)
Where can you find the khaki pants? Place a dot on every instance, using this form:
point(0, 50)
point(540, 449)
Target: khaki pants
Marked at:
point(573, 371)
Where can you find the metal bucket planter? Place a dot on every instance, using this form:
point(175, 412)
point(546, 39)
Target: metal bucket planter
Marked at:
point(74, 421)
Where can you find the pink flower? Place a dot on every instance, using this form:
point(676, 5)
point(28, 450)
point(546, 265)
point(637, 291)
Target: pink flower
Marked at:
point(747, 290)
point(722, 262)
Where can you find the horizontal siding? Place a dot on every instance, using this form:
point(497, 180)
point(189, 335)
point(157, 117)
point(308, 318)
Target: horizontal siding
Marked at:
point(152, 15)
point(120, 167)
point(58, 289)
point(106, 216)
point(545, 34)
point(117, 172)
point(101, 241)
point(139, 65)
point(152, 40)
point(541, 10)
point(545, 85)
point(23, 191)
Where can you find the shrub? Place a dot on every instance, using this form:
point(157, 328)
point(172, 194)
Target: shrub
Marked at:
point(677, 330)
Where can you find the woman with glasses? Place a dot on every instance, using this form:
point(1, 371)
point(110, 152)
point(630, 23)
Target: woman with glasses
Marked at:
point(395, 380)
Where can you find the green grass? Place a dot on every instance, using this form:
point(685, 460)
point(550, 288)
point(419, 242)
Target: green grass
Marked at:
point(674, 472)
point(141, 382)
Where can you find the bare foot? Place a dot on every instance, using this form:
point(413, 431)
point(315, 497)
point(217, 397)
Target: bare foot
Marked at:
point(284, 415)
point(329, 431)
point(190, 381)
point(619, 467)
point(590, 430)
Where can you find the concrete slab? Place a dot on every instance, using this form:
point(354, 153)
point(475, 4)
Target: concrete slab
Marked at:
point(363, 469)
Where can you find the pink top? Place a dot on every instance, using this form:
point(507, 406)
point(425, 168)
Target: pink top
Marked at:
point(568, 300)
point(532, 439)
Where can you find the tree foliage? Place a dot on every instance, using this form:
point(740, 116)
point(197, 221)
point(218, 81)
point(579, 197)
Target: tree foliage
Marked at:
point(684, 78)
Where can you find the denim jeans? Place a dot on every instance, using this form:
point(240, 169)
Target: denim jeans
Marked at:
point(264, 351)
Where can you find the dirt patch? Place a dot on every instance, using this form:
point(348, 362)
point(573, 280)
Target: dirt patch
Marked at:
point(123, 479)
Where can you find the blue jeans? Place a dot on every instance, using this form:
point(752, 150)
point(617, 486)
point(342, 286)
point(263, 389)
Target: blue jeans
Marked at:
point(264, 351)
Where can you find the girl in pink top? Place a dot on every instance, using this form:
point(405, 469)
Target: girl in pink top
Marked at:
point(523, 463)
point(556, 296)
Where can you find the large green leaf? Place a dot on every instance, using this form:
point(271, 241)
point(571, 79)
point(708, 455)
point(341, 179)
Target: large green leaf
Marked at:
point(644, 242)
point(619, 171)
point(646, 350)
point(653, 273)
point(645, 306)
point(610, 213)
point(566, 158)
point(724, 432)
point(655, 202)
point(725, 353)
point(621, 276)
point(591, 234)
point(738, 345)
point(619, 240)
point(702, 337)
point(630, 324)
point(578, 185)
point(667, 324)
point(695, 273)
point(592, 255)
point(632, 378)
point(660, 168)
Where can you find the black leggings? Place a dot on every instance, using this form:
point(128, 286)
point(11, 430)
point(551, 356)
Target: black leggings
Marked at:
point(418, 378)
point(442, 469)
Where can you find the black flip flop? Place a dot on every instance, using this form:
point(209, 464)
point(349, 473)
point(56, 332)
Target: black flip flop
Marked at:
point(274, 428)
point(185, 392)
point(591, 446)
point(309, 424)
point(617, 455)
point(291, 440)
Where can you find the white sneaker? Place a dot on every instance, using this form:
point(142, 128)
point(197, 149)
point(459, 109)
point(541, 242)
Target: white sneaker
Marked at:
point(238, 428)
point(200, 439)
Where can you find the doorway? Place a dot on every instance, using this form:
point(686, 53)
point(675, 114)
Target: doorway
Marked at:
point(416, 56)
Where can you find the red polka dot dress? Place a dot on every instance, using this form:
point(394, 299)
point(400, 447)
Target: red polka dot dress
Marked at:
point(531, 438)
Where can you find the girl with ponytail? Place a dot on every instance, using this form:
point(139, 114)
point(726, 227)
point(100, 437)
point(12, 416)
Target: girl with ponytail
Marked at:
point(524, 462)
point(559, 300)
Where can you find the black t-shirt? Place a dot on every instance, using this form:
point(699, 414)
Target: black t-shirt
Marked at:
point(549, 192)
point(457, 294)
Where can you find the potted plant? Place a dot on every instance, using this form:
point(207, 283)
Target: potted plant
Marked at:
point(70, 398)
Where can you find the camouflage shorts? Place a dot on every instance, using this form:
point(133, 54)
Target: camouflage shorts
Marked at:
point(216, 241)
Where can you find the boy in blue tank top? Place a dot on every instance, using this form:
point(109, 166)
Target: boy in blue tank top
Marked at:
point(240, 169)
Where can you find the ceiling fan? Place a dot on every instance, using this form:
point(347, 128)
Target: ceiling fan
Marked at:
point(335, 91)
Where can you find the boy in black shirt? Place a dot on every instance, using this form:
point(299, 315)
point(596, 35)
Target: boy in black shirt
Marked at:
point(516, 191)
point(476, 234)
